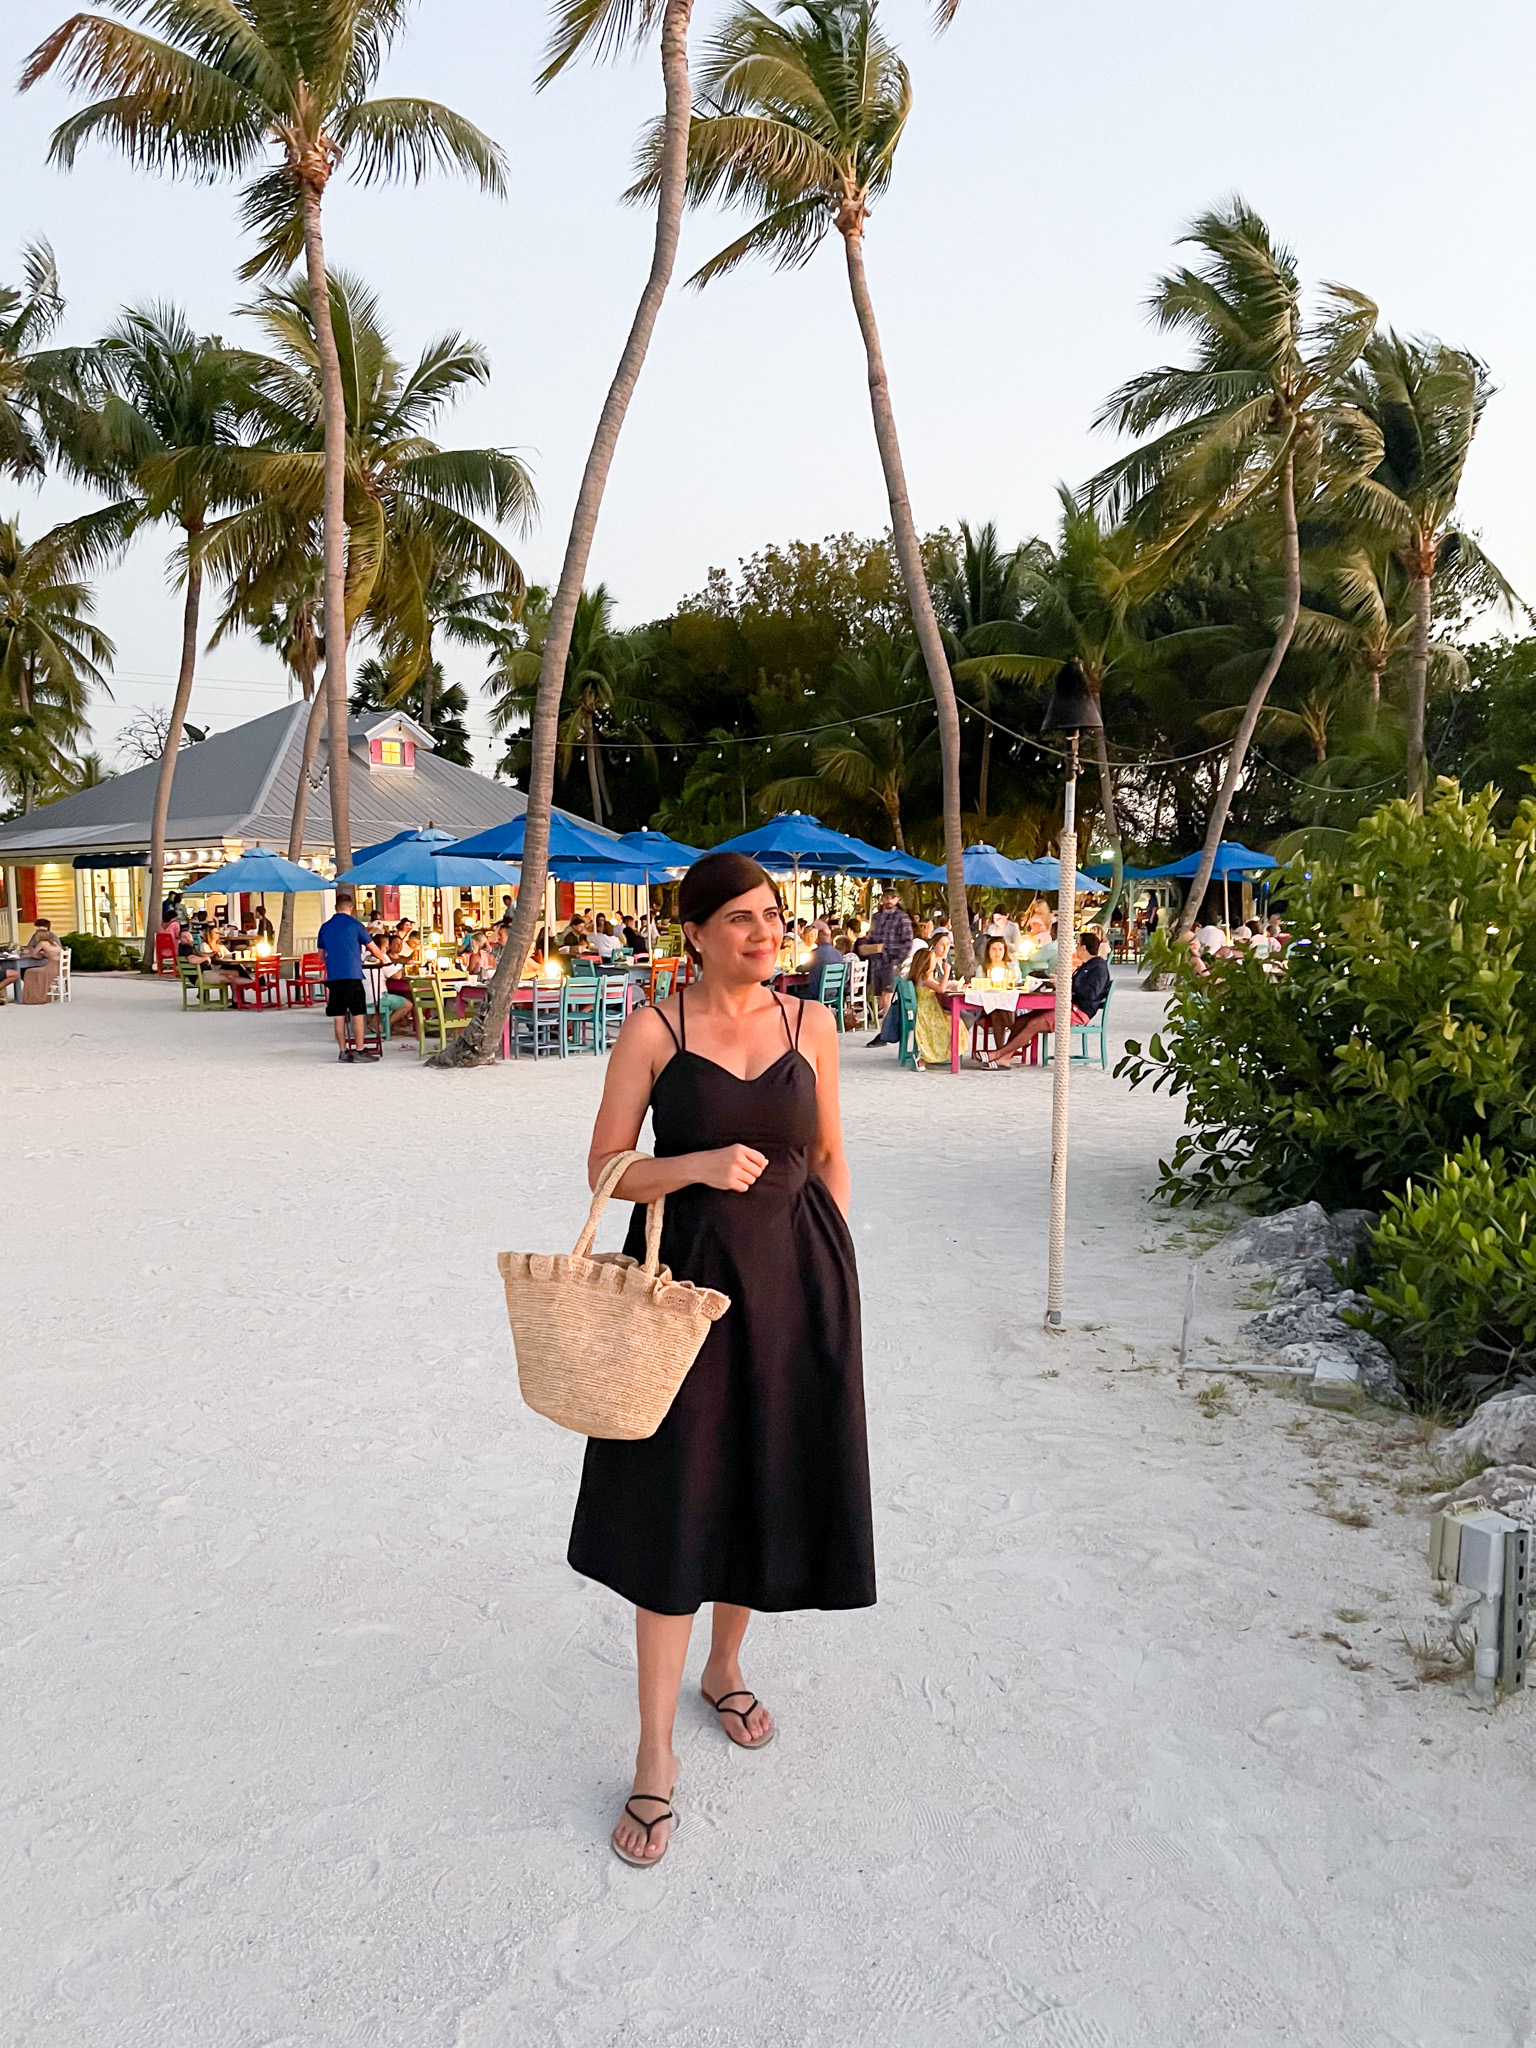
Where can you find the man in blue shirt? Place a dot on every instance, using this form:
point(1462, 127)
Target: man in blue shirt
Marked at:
point(344, 941)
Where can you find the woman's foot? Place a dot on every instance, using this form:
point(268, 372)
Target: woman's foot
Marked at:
point(743, 1717)
point(655, 1782)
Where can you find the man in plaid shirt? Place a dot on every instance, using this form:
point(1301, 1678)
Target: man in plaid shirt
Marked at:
point(891, 930)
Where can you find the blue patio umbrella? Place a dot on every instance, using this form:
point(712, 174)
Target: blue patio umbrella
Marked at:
point(794, 839)
point(413, 865)
point(430, 835)
point(1231, 859)
point(258, 873)
point(648, 849)
point(568, 841)
point(1046, 875)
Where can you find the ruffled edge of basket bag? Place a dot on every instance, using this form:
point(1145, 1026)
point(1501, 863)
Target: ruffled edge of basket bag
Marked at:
point(616, 1273)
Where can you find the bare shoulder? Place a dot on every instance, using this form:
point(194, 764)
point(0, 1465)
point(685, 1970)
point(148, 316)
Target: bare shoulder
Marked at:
point(645, 1031)
point(818, 1029)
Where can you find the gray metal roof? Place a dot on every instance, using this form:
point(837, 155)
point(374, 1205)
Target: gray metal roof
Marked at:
point(240, 785)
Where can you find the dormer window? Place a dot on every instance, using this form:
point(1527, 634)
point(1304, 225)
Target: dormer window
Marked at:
point(392, 753)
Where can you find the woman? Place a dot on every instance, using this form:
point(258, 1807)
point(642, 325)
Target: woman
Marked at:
point(754, 1492)
point(929, 978)
point(993, 1026)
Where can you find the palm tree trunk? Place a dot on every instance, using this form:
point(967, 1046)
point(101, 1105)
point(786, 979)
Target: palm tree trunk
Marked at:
point(910, 559)
point(333, 545)
point(312, 727)
point(893, 812)
point(1111, 826)
point(1418, 687)
point(26, 696)
point(478, 1041)
point(167, 773)
point(1216, 824)
point(597, 799)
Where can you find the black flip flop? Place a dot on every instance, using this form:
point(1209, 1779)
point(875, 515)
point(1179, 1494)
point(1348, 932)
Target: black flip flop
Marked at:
point(654, 1799)
point(741, 1714)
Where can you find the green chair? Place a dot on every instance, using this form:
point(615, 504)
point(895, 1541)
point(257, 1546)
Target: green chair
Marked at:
point(833, 988)
point(581, 970)
point(1097, 1027)
point(906, 996)
point(1079, 1035)
point(210, 995)
point(432, 1015)
point(581, 1020)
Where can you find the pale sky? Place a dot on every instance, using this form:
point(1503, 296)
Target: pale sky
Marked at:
point(1054, 154)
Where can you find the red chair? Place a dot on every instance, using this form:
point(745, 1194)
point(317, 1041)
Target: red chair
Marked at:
point(165, 952)
point(264, 990)
point(307, 984)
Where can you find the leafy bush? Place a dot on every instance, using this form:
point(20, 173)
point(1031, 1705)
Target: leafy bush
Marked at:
point(1450, 1273)
point(89, 954)
point(1403, 1026)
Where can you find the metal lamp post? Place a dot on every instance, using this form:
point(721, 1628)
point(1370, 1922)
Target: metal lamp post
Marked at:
point(1071, 711)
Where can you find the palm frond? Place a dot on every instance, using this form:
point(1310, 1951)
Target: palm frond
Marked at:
point(384, 137)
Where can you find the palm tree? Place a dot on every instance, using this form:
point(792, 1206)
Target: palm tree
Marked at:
point(605, 698)
point(28, 313)
point(1253, 423)
point(975, 591)
point(276, 92)
point(1424, 401)
point(158, 420)
point(799, 118)
point(51, 654)
point(413, 549)
point(872, 762)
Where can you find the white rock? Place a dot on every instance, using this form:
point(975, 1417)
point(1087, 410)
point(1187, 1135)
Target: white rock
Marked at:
point(1504, 1432)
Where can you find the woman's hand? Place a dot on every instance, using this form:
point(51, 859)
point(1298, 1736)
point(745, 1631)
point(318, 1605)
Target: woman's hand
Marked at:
point(734, 1168)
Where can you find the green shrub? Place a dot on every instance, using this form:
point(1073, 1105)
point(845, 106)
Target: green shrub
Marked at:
point(1450, 1272)
point(1403, 1026)
point(90, 954)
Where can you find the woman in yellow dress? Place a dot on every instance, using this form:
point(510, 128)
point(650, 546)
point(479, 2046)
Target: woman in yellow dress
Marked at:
point(932, 1030)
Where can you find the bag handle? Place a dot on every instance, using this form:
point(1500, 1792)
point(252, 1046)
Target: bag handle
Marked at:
point(613, 1172)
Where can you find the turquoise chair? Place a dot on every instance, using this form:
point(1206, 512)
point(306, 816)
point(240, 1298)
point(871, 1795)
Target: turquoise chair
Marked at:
point(581, 970)
point(580, 1017)
point(1098, 1029)
point(906, 996)
point(833, 989)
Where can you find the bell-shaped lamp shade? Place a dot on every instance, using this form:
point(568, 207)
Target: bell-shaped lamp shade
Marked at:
point(1073, 707)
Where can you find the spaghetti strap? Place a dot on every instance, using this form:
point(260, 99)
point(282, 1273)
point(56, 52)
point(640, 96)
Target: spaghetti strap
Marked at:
point(799, 1020)
point(682, 1021)
point(792, 1043)
point(661, 1013)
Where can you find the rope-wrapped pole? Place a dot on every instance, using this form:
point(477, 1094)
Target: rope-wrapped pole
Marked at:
point(1061, 1044)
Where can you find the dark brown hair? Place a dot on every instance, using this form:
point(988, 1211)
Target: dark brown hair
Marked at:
point(714, 881)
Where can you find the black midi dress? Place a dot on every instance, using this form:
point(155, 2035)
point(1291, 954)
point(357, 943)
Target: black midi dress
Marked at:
point(755, 1489)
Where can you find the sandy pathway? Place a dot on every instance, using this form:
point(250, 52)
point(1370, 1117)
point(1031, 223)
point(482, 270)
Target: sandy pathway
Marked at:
point(312, 1738)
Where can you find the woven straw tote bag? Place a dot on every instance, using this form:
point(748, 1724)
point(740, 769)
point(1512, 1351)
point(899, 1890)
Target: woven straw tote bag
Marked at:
point(603, 1342)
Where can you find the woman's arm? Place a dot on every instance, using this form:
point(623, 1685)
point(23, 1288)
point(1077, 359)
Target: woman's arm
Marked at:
point(829, 1162)
point(643, 1049)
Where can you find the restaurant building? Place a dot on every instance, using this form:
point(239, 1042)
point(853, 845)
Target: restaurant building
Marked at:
point(83, 862)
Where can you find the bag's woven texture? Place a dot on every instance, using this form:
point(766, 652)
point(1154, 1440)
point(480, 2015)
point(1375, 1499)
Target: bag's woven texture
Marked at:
point(603, 1342)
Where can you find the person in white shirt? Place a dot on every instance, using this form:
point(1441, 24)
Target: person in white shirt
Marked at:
point(1212, 938)
point(1002, 926)
point(603, 940)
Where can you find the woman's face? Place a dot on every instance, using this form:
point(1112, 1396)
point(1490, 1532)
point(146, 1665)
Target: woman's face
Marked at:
point(741, 941)
point(941, 949)
point(997, 953)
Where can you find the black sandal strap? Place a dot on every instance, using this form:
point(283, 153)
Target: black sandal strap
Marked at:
point(639, 1820)
point(741, 1713)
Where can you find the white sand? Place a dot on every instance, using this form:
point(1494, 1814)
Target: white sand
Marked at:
point(313, 1738)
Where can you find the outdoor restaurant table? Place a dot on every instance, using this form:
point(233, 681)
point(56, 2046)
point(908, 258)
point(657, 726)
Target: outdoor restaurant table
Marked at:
point(9, 962)
point(959, 1001)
